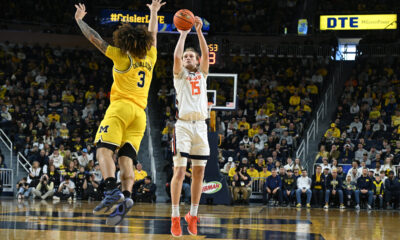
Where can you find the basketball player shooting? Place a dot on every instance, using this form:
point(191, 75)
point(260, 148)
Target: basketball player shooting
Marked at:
point(134, 56)
point(191, 141)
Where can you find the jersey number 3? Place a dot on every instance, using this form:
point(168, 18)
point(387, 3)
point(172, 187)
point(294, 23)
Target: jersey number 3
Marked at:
point(195, 87)
point(142, 76)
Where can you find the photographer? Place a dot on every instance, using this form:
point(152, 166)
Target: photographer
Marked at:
point(241, 185)
point(23, 189)
point(44, 189)
point(66, 190)
point(146, 191)
point(91, 188)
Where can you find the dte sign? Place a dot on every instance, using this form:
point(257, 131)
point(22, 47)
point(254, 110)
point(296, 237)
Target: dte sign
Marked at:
point(342, 21)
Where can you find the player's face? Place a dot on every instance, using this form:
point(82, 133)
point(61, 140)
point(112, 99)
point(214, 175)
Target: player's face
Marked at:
point(189, 60)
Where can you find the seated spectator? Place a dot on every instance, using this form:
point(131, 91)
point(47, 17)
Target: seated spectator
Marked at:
point(44, 189)
point(377, 190)
point(273, 188)
point(66, 190)
point(57, 158)
point(349, 188)
point(79, 180)
point(334, 153)
point(289, 165)
point(140, 174)
point(24, 190)
point(241, 185)
point(35, 172)
point(289, 187)
point(303, 187)
point(388, 166)
point(147, 191)
point(334, 131)
point(84, 159)
point(297, 164)
point(358, 155)
point(364, 188)
point(253, 173)
point(392, 191)
point(91, 189)
point(322, 153)
point(318, 186)
point(333, 189)
point(325, 164)
point(357, 124)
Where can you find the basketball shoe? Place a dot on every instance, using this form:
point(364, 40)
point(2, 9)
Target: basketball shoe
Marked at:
point(176, 229)
point(192, 224)
point(119, 212)
point(111, 198)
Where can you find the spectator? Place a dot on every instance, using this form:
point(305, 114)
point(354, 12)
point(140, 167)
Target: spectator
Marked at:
point(146, 191)
point(297, 164)
point(355, 124)
point(84, 158)
point(91, 189)
point(289, 187)
point(388, 166)
point(325, 164)
point(358, 155)
point(44, 189)
point(364, 188)
point(289, 165)
point(334, 153)
point(354, 174)
point(392, 191)
point(140, 174)
point(303, 187)
point(57, 158)
point(66, 190)
point(333, 189)
point(252, 172)
point(273, 188)
point(349, 188)
point(334, 131)
point(35, 172)
point(318, 186)
point(241, 185)
point(24, 190)
point(377, 189)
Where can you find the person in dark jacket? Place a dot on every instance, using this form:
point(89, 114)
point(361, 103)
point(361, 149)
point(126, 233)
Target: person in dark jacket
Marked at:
point(392, 191)
point(364, 187)
point(273, 188)
point(334, 188)
point(318, 186)
point(377, 189)
point(289, 187)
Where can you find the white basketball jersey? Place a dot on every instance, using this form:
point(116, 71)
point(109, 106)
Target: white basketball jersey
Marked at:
point(191, 95)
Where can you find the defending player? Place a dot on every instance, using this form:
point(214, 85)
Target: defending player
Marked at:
point(191, 141)
point(134, 56)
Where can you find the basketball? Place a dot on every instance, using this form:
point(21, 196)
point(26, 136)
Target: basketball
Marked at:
point(184, 19)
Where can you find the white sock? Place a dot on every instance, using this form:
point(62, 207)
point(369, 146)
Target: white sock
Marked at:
point(175, 211)
point(193, 209)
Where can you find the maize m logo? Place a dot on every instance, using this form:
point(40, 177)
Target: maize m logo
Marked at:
point(358, 22)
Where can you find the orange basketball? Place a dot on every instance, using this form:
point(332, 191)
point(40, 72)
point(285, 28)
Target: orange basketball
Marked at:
point(184, 19)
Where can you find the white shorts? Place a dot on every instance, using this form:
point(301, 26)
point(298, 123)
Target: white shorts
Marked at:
point(190, 141)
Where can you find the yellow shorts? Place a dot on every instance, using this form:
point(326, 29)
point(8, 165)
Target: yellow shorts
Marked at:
point(124, 122)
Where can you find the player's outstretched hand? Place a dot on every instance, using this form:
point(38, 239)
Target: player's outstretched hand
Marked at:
point(184, 32)
point(80, 11)
point(155, 5)
point(198, 23)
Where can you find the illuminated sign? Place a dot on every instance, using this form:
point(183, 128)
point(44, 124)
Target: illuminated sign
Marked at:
point(165, 21)
point(211, 187)
point(358, 22)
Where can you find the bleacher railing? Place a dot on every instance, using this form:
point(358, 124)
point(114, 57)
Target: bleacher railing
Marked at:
point(8, 143)
point(21, 160)
point(313, 129)
point(257, 187)
point(6, 175)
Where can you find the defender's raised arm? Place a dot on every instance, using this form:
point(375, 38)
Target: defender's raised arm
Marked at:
point(153, 25)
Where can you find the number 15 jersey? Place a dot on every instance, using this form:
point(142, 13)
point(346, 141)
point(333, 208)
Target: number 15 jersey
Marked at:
point(191, 95)
point(132, 75)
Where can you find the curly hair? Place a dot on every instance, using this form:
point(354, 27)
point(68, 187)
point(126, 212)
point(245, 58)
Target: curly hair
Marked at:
point(135, 40)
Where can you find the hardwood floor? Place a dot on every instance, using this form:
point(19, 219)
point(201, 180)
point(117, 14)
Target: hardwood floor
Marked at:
point(63, 220)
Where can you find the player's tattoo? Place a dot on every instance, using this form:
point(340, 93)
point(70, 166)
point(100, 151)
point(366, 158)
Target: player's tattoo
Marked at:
point(93, 36)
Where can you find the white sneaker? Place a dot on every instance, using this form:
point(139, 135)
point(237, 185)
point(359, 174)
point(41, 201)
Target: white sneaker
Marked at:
point(358, 207)
point(369, 207)
point(326, 206)
point(56, 198)
point(342, 206)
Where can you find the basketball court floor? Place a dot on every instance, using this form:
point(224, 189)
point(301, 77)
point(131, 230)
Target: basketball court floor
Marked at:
point(63, 220)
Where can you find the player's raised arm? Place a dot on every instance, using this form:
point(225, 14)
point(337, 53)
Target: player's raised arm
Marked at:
point(204, 62)
point(89, 33)
point(179, 51)
point(153, 25)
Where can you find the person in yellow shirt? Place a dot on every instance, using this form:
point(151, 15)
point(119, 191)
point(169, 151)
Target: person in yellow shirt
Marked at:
point(333, 130)
point(374, 114)
point(253, 173)
point(253, 130)
point(139, 172)
point(303, 107)
point(90, 94)
point(264, 173)
point(53, 116)
point(294, 100)
point(134, 56)
point(68, 97)
point(396, 119)
point(232, 171)
point(312, 88)
point(244, 123)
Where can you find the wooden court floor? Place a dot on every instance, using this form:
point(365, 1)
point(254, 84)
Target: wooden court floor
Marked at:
point(47, 220)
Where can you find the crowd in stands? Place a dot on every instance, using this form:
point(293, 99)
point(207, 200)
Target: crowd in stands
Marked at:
point(352, 6)
point(52, 101)
point(275, 101)
point(363, 141)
